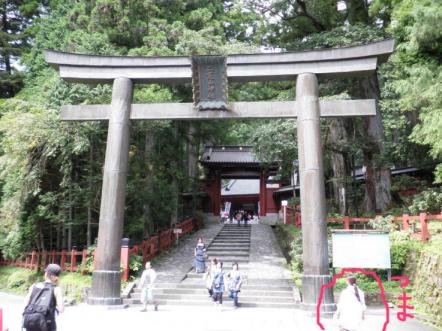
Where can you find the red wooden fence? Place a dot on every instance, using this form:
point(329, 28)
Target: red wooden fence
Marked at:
point(294, 217)
point(76, 260)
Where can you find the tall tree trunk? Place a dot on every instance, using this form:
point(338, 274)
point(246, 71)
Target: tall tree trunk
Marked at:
point(41, 237)
point(90, 198)
point(192, 162)
point(69, 228)
point(338, 140)
point(59, 236)
point(378, 180)
point(6, 55)
point(174, 184)
point(149, 143)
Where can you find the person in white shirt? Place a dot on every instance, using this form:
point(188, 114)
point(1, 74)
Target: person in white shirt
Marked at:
point(147, 286)
point(351, 307)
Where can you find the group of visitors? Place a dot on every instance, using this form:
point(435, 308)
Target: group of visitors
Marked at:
point(215, 277)
point(244, 216)
point(239, 216)
point(45, 300)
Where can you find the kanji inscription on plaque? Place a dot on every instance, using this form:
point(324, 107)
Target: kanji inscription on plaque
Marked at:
point(209, 82)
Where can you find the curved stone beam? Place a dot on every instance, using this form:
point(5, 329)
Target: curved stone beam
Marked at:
point(333, 62)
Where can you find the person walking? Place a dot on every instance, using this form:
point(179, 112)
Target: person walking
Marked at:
point(208, 276)
point(146, 284)
point(351, 307)
point(43, 301)
point(199, 261)
point(235, 281)
point(218, 285)
point(238, 217)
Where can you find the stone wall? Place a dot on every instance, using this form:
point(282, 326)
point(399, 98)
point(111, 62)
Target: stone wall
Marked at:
point(425, 271)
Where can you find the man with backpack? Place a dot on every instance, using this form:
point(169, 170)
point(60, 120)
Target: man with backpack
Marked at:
point(42, 301)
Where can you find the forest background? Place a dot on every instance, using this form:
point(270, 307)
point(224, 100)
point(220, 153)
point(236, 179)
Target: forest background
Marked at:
point(50, 171)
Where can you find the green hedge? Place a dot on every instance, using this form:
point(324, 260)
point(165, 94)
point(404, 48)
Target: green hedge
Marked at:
point(18, 280)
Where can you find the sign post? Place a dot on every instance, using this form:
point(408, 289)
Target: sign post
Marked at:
point(177, 232)
point(361, 249)
point(284, 205)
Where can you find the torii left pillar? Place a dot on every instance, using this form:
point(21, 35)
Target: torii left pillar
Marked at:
point(106, 278)
point(313, 209)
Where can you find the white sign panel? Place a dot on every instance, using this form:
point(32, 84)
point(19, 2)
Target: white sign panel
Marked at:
point(284, 203)
point(177, 230)
point(361, 249)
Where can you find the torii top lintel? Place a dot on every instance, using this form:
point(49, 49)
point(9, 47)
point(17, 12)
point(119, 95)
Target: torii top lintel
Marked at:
point(358, 60)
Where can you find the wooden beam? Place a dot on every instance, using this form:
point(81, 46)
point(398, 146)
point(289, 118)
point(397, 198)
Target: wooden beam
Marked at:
point(239, 110)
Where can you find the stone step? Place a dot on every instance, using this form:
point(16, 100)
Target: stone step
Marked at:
point(228, 237)
point(234, 233)
point(231, 240)
point(231, 233)
point(246, 286)
point(224, 244)
point(203, 291)
point(230, 259)
point(240, 233)
point(232, 252)
point(204, 296)
point(229, 247)
point(226, 305)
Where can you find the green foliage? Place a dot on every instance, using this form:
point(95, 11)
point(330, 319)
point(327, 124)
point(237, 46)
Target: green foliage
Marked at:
point(429, 200)
point(135, 264)
point(276, 140)
point(415, 72)
point(17, 280)
point(401, 244)
point(404, 182)
point(17, 17)
point(73, 284)
point(290, 240)
point(382, 223)
point(296, 252)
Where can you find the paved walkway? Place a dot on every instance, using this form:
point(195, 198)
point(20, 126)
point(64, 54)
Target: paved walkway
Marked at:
point(84, 317)
point(266, 259)
point(175, 264)
point(266, 262)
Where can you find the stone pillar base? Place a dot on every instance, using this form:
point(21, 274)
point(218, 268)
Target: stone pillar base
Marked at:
point(106, 288)
point(311, 289)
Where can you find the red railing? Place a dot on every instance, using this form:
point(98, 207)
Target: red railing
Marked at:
point(294, 217)
point(76, 260)
point(73, 260)
point(1, 321)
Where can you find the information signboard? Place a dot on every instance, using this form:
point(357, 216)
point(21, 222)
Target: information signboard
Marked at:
point(361, 249)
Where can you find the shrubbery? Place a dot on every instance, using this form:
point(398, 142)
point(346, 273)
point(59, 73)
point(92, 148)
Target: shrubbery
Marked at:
point(429, 200)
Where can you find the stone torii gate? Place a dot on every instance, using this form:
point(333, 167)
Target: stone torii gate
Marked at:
point(123, 72)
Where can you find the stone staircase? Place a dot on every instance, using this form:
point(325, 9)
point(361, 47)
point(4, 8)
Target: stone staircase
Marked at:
point(232, 244)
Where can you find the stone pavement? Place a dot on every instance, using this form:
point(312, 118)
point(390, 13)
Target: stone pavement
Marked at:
point(266, 259)
point(84, 317)
point(174, 265)
point(266, 263)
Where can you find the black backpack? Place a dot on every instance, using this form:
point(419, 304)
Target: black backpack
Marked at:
point(40, 308)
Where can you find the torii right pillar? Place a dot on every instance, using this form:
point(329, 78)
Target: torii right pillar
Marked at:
point(313, 208)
